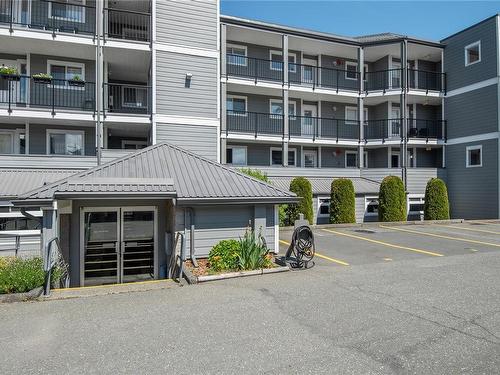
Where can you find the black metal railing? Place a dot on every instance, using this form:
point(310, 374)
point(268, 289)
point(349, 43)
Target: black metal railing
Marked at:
point(55, 16)
point(434, 129)
point(257, 69)
point(254, 123)
point(323, 128)
point(126, 98)
point(382, 129)
point(383, 80)
point(426, 80)
point(309, 75)
point(126, 24)
point(24, 91)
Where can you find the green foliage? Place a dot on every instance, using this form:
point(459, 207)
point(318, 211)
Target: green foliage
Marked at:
point(253, 252)
point(392, 200)
point(342, 202)
point(18, 275)
point(436, 206)
point(77, 78)
point(224, 255)
point(302, 187)
point(255, 173)
point(8, 70)
point(283, 217)
point(42, 75)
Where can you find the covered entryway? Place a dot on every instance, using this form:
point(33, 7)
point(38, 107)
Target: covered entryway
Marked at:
point(118, 244)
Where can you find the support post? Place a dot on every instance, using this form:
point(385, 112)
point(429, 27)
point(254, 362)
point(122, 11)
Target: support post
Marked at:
point(223, 50)
point(285, 59)
point(99, 78)
point(49, 230)
point(286, 128)
point(404, 114)
point(361, 119)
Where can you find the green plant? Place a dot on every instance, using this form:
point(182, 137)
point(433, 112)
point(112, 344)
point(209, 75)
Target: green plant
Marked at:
point(253, 253)
point(392, 200)
point(19, 275)
point(76, 77)
point(302, 187)
point(255, 173)
point(42, 75)
point(283, 216)
point(224, 255)
point(8, 70)
point(436, 206)
point(342, 202)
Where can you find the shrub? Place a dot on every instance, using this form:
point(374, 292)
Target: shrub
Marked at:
point(255, 173)
point(253, 253)
point(19, 275)
point(436, 206)
point(392, 200)
point(302, 187)
point(224, 255)
point(342, 202)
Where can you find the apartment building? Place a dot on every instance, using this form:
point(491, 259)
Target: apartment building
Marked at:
point(94, 81)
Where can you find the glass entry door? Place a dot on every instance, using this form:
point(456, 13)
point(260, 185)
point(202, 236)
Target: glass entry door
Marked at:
point(118, 245)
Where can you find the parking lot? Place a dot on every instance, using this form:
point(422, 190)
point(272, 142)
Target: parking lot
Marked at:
point(349, 246)
point(407, 299)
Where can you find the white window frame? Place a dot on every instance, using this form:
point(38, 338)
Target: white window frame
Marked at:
point(132, 142)
point(279, 101)
point(310, 152)
point(467, 156)
point(67, 64)
point(238, 97)
point(466, 48)
point(65, 18)
point(367, 202)
point(350, 63)
point(294, 150)
point(291, 69)
point(246, 155)
point(63, 131)
point(351, 122)
point(398, 154)
point(232, 45)
point(13, 139)
point(349, 152)
point(318, 213)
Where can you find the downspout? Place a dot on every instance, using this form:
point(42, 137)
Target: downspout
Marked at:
point(191, 236)
point(30, 216)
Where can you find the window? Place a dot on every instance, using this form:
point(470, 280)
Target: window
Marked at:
point(474, 156)
point(310, 159)
point(236, 55)
point(323, 207)
point(134, 97)
point(351, 159)
point(277, 157)
point(276, 107)
point(236, 155)
point(133, 144)
point(236, 105)
point(12, 141)
point(65, 142)
point(395, 159)
point(68, 10)
point(276, 62)
point(371, 206)
point(351, 70)
point(62, 71)
point(473, 53)
point(18, 223)
point(351, 115)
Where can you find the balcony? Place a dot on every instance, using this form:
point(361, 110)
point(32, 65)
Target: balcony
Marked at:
point(390, 79)
point(127, 25)
point(387, 129)
point(54, 94)
point(127, 98)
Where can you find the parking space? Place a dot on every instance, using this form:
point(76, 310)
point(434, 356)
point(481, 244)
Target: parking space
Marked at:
point(348, 246)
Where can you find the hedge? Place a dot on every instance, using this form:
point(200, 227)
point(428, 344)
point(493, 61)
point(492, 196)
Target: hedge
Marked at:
point(436, 206)
point(342, 202)
point(302, 187)
point(392, 200)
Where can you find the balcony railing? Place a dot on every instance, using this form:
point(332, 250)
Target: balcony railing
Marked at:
point(55, 16)
point(417, 129)
point(25, 91)
point(126, 98)
point(257, 69)
point(309, 75)
point(383, 80)
point(254, 123)
point(426, 80)
point(125, 24)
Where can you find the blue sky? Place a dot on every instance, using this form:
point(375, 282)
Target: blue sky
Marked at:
point(425, 19)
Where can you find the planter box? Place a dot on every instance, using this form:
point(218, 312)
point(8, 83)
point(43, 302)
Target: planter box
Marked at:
point(76, 83)
point(42, 80)
point(193, 279)
point(12, 77)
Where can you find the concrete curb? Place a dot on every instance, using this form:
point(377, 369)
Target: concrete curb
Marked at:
point(21, 297)
point(232, 275)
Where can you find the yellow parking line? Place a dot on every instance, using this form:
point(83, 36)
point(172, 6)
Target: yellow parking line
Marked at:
point(322, 256)
point(471, 229)
point(385, 243)
point(441, 236)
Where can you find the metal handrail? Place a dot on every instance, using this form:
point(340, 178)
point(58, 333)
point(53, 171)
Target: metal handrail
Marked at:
point(181, 257)
point(50, 263)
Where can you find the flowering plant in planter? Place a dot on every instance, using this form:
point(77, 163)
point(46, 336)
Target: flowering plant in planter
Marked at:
point(42, 78)
point(9, 73)
point(76, 81)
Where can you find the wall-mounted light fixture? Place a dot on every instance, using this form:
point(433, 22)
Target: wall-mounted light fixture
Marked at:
point(189, 77)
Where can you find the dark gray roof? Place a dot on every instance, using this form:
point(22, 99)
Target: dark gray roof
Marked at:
point(322, 185)
point(195, 178)
point(378, 37)
point(14, 182)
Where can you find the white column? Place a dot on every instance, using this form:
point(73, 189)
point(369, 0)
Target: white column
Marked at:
point(285, 59)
